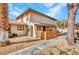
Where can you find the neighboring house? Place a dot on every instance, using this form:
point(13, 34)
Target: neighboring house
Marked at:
point(36, 24)
point(77, 27)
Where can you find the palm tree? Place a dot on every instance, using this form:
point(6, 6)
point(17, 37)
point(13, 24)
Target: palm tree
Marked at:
point(72, 8)
point(4, 25)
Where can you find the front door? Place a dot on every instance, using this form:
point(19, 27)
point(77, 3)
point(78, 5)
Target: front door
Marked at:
point(44, 28)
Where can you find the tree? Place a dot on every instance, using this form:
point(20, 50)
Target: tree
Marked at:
point(4, 25)
point(72, 8)
point(61, 24)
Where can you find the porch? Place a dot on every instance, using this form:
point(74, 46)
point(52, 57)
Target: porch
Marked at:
point(43, 31)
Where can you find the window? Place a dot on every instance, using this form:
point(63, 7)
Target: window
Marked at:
point(38, 27)
point(20, 27)
point(49, 28)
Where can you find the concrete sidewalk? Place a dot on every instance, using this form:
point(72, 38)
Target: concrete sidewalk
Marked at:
point(36, 48)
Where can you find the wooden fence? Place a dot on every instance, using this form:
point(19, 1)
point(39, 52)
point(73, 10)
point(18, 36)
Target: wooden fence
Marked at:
point(47, 34)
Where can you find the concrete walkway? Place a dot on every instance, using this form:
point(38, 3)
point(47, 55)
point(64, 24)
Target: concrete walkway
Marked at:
point(36, 48)
point(21, 39)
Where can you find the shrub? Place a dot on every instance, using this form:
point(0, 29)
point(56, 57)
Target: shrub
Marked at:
point(14, 35)
point(10, 35)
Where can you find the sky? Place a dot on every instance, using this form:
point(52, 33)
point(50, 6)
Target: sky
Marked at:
point(58, 11)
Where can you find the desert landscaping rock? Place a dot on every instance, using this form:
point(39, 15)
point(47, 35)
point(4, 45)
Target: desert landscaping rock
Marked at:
point(62, 51)
point(62, 43)
point(44, 52)
point(70, 52)
point(54, 51)
point(62, 48)
point(38, 47)
point(76, 50)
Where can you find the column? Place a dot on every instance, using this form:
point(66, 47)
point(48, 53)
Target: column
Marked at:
point(34, 31)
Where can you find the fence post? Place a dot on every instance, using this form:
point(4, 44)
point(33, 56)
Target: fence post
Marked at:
point(45, 35)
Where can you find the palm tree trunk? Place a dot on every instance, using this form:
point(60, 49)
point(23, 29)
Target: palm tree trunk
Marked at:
point(72, 7)
point(4, 25)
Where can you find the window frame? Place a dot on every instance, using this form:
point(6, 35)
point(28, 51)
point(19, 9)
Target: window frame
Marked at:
point(20, 27)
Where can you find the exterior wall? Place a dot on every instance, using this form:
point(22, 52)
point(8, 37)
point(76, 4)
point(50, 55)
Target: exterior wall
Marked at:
point(19, 32)
point(23, 19)
point(26, 19)
point(37, 18)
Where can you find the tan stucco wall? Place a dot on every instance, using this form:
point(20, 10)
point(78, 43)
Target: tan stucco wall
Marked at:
point(19, 32)
point(24, 19)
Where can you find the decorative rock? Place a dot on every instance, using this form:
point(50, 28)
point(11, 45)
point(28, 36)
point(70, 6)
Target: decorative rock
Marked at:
point(44, 52)
point(54, 51)
point(63, 53)
point(62, 43)
point(76, 50)
point(61, 48)
point(71, 52)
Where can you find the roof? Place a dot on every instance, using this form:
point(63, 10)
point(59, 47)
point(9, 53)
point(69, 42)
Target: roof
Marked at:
point(31, 10)
point(15, 22)
point(44, 24)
